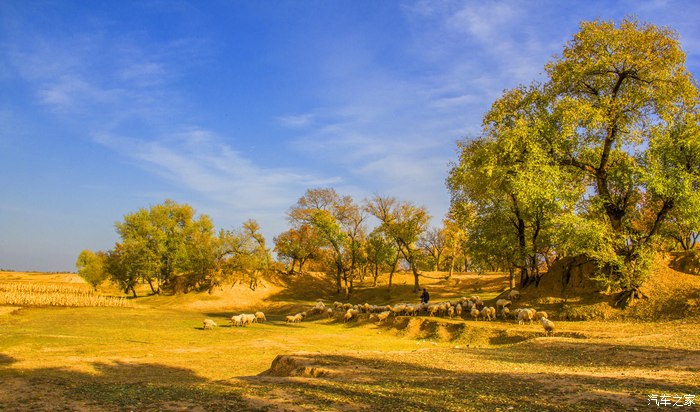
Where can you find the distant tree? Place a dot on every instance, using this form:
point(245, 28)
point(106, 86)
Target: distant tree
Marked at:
point(123, 269)
point(403, 222)
point(91, 267)
point(297, 246)
point(454, 240)
point(382, 254)
point(433, 243)
point(339, 223)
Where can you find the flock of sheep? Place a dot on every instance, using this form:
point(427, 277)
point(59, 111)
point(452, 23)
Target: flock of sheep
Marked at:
point(244, 319)
point(473, 307)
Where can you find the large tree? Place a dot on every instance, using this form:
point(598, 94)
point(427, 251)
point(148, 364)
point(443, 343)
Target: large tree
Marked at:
point(617, 117)
point(626, 107)
point(167, 247)
point(514, 188)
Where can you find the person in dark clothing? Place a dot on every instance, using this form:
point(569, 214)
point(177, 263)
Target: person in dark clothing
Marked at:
point(425, 296)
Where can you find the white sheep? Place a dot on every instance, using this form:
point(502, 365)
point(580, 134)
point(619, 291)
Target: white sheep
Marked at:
point(247, 318)
point(383, 316)
point(486, 313)
point(260, 317)
point(475, 313)
point(350, 314)
point(236, 320)
point(548, 326)
point(502, 303)
point(298, 318)
point(514, 294)
point(541, 314)
point(290, 318)
point(504, 313)
point(525, 314)
point(458, 310)
point(209, 324)
point(329, 313)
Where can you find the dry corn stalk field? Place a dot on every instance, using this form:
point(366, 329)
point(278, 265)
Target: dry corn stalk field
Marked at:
point(78, 295)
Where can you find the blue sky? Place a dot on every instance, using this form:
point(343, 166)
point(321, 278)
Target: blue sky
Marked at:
point(238, 107)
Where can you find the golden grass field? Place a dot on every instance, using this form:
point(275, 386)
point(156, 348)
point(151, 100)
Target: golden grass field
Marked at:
point(153, 354)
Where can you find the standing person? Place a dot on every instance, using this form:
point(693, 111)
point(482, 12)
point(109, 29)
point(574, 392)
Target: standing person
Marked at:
point(425, 296)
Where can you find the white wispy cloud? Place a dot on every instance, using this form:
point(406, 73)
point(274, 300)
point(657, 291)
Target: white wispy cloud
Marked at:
point(106, 93)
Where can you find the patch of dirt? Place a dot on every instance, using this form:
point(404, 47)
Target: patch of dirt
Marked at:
point(301, 364)
point(22, 395)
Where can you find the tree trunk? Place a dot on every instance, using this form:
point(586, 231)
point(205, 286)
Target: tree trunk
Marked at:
point(416, 285)
point(511, 274)
point(393, 269)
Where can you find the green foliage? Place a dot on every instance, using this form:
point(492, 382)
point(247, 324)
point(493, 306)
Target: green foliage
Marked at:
point(600, 159)
point(404, 223)
point(339, 228)
point(91, 267)
point(160, 244)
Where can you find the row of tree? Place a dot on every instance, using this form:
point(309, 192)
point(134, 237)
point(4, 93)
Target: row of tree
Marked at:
point(169, 248)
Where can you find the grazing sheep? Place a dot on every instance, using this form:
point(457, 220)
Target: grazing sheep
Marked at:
point(486, 313)
point(290, 318)
point(502, 303)
point(514, 294)
point(383, 316)
point(475, 313)
point(236, 320)
point(247, 318)
point(329, 313)
point(525, 314)
point(458, 310)
point(451, 312)
point(337, 305)
point(347, 306)
point(504, 313)
point(298, 317)
point(209, 324)
point(548, 326)
point(350, 314)
point(260, 317)
point(398, 309)
point(410, 310)
point(539, 315)
point(432, 309)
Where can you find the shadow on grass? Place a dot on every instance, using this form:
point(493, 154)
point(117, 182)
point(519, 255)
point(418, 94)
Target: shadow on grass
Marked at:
point(358, 383)
point(587, 354)
point(6, 360)
point(114, 386)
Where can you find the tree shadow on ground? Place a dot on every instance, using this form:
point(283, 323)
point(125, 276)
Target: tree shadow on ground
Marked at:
point(6, 359)
point(589, 354)
point(324, 381)
point(114, 386)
